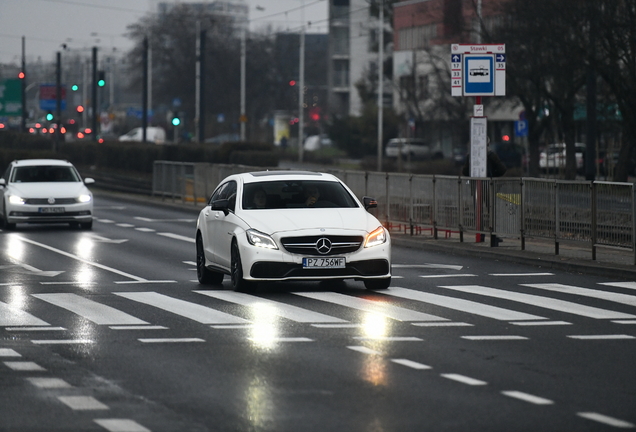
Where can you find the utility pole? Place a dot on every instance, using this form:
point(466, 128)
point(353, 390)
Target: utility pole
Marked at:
point(301, 89)
point(58, 100)
point(94, 96)
point(380, 83)
point(144, 95)
point(23, 89)
point(243, 55)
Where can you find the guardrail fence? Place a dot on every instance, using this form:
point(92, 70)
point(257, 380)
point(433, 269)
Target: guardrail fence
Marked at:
point(598, 213)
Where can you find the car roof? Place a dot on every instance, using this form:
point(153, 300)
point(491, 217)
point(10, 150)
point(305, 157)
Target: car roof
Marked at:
point(282, 175)
point(36, 162)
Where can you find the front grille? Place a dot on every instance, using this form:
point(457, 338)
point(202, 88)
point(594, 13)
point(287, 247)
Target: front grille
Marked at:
point(279, 270)
point(45, 201)
point(306, 245)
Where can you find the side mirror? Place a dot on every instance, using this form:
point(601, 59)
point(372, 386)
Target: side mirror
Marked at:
point(223, 205)
point(369, 203)
point(3, 183)
point(89, 180)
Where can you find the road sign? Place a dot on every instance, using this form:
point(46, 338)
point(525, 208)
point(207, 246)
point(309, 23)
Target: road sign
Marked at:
point(521, 128)
point(11, 97)
point(48, 95)
point(478, 70)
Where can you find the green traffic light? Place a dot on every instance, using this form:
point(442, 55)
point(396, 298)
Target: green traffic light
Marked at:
point(75, 87)
point(101, 83)
point(49, 117)
point(176, 121)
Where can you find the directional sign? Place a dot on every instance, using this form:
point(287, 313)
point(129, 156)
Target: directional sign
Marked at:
point(11, 97)
point(48, 97)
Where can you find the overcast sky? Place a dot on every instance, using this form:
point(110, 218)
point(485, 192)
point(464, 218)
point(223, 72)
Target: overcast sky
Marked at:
point(82, 24)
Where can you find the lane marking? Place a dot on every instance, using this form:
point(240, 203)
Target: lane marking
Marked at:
point(411, 364)
point(271, 307)
point(283, 339)
point(12, 316)
point(494, 338)
point(390, 338)
point(540, 323)
point(8, 352)
point(462, 305)
point(140, 327)
point(177, 237)
point(527, 397)
point(447, 276)
point(144, 229)
point(601, 337)
point(464, 379)
point(381, 308)
point(443, 324)
point(420, 266)
point(585, 292)
point(233, 326)
point(35, 329)
point(121, 425)
point(364, 350)
point(629, 285)
point(82, 403)
point(544, 302)
point(24, 366)
point(624, 321)
point(62, 341)
point(144, 282)
point(348, 325)
point(521, 274)
point(96, 312)
point(193, 311)
point(610, 421)
point(170, 340)
point(49, 383)
point(77, 258)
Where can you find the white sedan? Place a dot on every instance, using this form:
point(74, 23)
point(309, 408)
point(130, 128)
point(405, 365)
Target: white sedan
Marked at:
point(45, 191)
point(287, 225)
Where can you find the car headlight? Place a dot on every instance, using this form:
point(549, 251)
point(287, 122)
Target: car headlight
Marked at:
point(375, 238)
point(14, 199)
point(84, 198)
point(259, 239)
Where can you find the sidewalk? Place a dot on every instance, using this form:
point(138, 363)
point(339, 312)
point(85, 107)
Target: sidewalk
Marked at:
point(573, 257)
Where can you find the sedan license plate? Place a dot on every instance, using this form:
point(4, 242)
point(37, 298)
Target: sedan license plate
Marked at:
point(326, 263)
point(51, 209)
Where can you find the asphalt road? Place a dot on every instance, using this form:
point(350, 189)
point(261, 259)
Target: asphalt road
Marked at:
point(109, 330)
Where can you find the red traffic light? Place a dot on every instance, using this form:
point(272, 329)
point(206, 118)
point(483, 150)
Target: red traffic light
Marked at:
point(21, 75)
point(292, 83)
point(80, 109)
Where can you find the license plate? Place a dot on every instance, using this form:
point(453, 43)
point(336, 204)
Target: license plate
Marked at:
point(332, 262)
point(51, 210)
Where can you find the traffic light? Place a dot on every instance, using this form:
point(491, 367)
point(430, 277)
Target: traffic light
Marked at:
point(80, 109)
point(101, 78)
point(21, 75)
point(75, 87)
point(49, 116)
point(176, 120)
point(292, 83)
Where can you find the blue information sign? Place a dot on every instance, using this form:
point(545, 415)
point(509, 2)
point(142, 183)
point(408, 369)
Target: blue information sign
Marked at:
point(521, 128)
point(479, 75)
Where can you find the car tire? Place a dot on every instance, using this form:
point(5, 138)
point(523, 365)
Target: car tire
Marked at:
point(377, 284)
point(236, 271)
point(6, 225)
point(204, 275)
point(86, 225)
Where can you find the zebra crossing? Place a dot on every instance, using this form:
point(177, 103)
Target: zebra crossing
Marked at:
point(228, 309)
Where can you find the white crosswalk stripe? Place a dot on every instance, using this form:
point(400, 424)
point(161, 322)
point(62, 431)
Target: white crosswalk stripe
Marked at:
point(193, 311)
point(96, 312)
point(263, 305)
point(12, 316)
point(463, 305)
point(544, 302)
point(377, 307)
point(586, 292)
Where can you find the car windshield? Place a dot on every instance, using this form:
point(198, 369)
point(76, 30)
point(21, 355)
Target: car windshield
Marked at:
point(296, 194)
point(44, 173)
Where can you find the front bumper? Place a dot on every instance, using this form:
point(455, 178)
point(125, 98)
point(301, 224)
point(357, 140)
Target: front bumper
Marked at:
point(356, 269)
point(30, 214)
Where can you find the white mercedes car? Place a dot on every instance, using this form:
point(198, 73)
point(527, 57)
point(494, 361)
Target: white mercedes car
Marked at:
point(45, 191)
point(290, 225)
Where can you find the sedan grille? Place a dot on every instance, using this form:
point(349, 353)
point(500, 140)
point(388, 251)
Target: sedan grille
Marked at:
point(45, 201)
point(322, 245)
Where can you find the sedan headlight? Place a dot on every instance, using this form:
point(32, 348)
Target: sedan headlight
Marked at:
point(84, 198)
point(259, 239)
point(14, 199)
point(375, 238)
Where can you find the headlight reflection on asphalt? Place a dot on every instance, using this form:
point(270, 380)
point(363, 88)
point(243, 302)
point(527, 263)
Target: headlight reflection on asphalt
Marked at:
point(15, 248)
point(265, 330)
point(259, 403)
point(17, 297)
point(84, 248)
point(374, 327)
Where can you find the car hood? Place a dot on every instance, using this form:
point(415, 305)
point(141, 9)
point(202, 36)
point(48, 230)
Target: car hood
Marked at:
point(275, 221)
point(45, 190)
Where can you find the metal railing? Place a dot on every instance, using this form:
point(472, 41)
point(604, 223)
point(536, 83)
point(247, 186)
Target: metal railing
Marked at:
point(598, 213)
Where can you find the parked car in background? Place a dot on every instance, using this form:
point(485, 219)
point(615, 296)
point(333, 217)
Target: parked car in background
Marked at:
point(156, 135)
point(552, 158)
point(45, 191)
point(414, 148)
